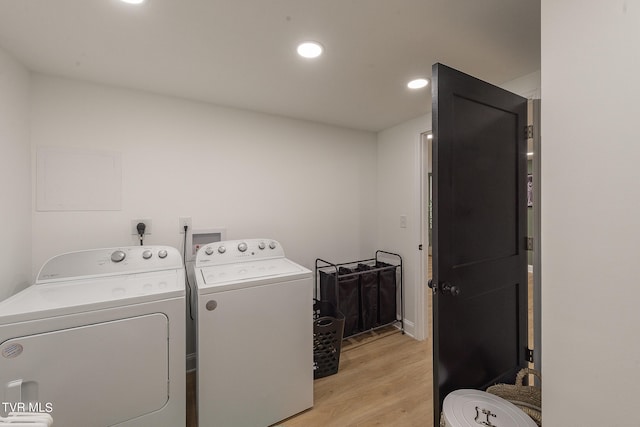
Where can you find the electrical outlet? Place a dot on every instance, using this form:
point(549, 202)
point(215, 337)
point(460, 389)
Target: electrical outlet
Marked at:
point(182, 221)
point(403, 221)
point(134, 226)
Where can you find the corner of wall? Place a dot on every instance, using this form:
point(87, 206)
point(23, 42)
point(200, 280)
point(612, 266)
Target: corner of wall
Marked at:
point(15, 176)
point(398, 193)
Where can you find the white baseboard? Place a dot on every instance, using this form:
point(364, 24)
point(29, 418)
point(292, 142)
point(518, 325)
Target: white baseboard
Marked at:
point(409, 328)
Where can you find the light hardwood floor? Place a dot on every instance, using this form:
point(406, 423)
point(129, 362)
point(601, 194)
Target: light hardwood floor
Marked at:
point(384, 379)
point(192, 415)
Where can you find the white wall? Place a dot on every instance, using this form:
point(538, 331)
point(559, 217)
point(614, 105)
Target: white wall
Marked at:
point(590, 212)
point(310, 186)
point(527, 86)
point(398, 194)
point(15, 177)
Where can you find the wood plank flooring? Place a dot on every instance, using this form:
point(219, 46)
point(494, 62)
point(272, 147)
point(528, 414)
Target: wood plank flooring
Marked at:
point(192, 414)
point(383, 382)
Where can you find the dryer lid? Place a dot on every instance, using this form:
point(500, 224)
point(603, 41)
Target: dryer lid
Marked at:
point(77, 296)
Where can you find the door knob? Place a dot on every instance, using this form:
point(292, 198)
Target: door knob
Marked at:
point(447, 288)
point(432, 286)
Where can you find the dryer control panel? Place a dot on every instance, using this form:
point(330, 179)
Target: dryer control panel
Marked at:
point(109, 262)
point(234, 251)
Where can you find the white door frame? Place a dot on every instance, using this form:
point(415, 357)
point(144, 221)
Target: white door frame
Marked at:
point(421, 330)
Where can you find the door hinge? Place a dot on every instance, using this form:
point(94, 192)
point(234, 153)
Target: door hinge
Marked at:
point(419, 247)
point(529, 355)
point(528, 132)
point(529, 243)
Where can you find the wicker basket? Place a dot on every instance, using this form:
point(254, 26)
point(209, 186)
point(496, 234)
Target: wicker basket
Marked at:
point(328, 326)
point(527, 398)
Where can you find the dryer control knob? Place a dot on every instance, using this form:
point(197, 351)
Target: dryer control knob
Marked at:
point(162, 253)
point(272, 245)
point(222, 249)
point(261, 245)
point(208, 250)
point(242, 247)
point(147, 254)
point(118, 256)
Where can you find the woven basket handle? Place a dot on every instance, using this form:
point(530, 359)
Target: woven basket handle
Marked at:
point(527, 371)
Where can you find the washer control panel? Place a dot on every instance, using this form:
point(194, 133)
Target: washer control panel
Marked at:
point(233, 251)
point(109, 262)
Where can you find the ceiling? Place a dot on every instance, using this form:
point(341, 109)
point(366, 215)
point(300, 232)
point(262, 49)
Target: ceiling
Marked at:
point(242, 53)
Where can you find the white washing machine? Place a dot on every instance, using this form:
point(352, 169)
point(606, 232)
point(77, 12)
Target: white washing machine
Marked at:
point(99, 339)
point(254, 334)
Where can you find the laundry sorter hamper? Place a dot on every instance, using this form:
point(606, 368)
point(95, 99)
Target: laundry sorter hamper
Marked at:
point(365, 291)
point(328, 326)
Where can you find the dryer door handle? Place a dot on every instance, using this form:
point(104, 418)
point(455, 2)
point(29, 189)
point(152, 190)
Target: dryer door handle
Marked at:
point(14, 391)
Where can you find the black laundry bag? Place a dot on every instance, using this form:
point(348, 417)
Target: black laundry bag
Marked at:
point(368, 297)
point(386, 293)
point(347, 298)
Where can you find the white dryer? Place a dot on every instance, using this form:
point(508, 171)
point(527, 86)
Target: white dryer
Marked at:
point(99, 339)
point(254, 334)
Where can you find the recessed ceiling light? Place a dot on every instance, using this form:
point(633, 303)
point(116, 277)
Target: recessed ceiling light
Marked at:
point(430, 136)
point(133, 1)
point(529, 154)
point(417, 83)
point(310, 49)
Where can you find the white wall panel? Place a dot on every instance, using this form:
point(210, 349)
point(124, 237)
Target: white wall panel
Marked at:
point(590, 212)
point(15, 177)
point(310, 186)
point(398, 194)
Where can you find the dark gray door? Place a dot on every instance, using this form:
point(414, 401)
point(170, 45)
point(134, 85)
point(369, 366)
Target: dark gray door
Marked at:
point(479, 229)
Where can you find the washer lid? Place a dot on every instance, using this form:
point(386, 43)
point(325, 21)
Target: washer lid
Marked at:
point(78, 296)
point(471, 408)
point(241, 275)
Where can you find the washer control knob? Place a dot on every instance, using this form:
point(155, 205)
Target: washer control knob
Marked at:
point(242, 247)
point(208, 250)
point(261, 245)
point(118, 256)
point(272, 245)
point(222, 249)
point(147, 254)
point(162, 253)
